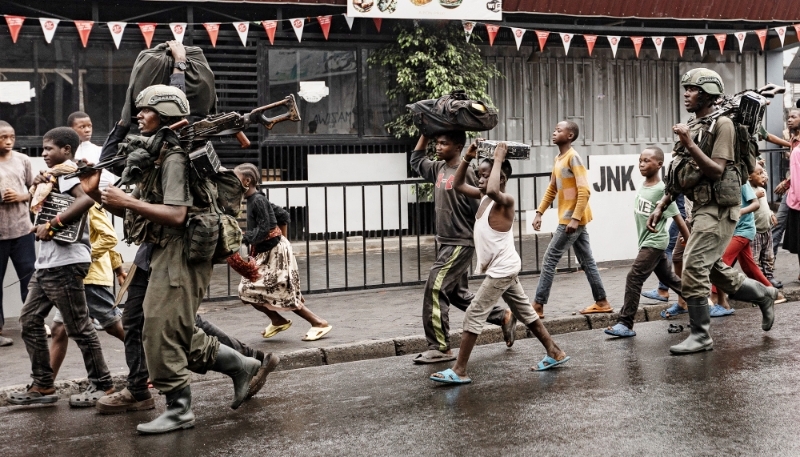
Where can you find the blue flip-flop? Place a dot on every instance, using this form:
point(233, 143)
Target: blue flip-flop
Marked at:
point(548, 362)
point(720, 311)
point(653, 295)
point(673, 311)
point(620, 330)
point(450, 377)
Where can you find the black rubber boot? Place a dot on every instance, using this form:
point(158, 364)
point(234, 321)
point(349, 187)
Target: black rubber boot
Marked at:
point(240, 368)
point(699, 322)
point(178, 414)
point(754, 292)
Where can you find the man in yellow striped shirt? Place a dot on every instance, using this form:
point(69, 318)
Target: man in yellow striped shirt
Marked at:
point(569, 186)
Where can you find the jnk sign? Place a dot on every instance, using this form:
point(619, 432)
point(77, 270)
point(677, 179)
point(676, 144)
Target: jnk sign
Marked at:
point(427, 9)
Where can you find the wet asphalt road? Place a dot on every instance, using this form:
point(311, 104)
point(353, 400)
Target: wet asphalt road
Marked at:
point(626, 397)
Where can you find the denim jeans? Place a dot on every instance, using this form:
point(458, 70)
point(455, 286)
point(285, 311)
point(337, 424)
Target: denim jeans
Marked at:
point(561, 242)
point(61, 287)
point(22, 252)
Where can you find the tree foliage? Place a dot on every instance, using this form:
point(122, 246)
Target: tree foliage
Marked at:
point(428, 60)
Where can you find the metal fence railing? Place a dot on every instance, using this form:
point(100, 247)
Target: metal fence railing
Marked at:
point(364, 235)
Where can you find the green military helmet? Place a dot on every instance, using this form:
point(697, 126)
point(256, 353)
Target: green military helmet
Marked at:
point(708, 80)
point(167, 101)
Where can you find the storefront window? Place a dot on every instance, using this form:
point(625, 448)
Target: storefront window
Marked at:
point(335, 113)
point(378, 109)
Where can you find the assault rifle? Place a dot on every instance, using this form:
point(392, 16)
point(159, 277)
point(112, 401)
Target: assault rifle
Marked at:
point(215, 125)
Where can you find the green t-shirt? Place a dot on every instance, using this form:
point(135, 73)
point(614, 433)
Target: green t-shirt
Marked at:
point(646, 200)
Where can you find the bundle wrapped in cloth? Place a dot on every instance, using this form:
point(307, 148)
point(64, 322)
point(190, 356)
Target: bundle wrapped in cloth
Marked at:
point(39, 192)
point(452, 112)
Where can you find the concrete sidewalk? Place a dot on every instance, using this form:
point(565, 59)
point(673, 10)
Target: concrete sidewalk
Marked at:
point(366, 324)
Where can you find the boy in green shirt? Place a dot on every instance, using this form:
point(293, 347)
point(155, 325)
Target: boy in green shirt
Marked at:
point(652, 243)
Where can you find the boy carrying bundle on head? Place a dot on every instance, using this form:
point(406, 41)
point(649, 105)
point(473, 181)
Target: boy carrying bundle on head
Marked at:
point(652, 257)
point(498, 259)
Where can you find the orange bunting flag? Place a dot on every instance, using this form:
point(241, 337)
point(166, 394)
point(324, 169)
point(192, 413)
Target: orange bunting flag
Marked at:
point(762, 37)
point(148, 29)
point(542, 36)
point(721, 39)
point(213, 31)
point(681, 43)
point(590, 41)
point(84, 29)
point(269, 27)
point(325, 24)
point(14, 25)
point(492, 30)
point(378, 21)
point(637, 44)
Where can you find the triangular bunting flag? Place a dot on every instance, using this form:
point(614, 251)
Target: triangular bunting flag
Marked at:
point(518, 34)
point(762, 37)
point(659, 42)
point(614, 41)
point(378, 21)
point(297, 25)
point(590, 41)
point(84, 29)
point(117, 29)
point(681, 43)
point(781, 33)
point(721, 39)
point(637, 44)
point(349, 20)
point(542, 36)
point(492, 30)
point(213, 31)
point(14, 24)
point(49, 28)
point(740, 36)
point(148, 29)
point(701, 41)
point(242, 28)
point(178, 30)
point(566, 39)
point(469, 26)
point(325, 24)
point(797, 31)
point(269, 27)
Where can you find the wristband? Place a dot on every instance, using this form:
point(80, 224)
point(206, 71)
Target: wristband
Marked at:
point(464, 159)
point(58, 221)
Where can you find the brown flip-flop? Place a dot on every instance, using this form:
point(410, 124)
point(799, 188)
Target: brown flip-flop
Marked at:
point(594, 308)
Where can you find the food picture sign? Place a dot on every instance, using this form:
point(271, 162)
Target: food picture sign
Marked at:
point(427, 9)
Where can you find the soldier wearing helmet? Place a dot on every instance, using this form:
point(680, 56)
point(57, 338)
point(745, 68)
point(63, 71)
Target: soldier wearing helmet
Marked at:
point(164, 292)
point(710, 145)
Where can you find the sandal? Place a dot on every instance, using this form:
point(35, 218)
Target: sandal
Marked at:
point(33, 395)
point(273, 330)
point(88, 397)
point(673, 311)
point(315, 333)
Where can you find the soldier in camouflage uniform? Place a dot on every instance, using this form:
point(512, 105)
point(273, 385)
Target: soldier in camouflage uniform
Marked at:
point(716, 198)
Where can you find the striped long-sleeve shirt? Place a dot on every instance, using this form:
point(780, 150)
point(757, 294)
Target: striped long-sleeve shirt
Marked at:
point(569, 182)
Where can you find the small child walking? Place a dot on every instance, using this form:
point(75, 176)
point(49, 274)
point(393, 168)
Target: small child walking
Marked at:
point(652, 257)
point(570, 185)
point(498, 259)
point(765, 220)
point(278, 286)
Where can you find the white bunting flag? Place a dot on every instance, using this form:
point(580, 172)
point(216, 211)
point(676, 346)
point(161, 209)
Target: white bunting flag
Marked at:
point(117, 29)
point(518, 34)
point(469, 26)
point(49, 27)
point(659, 42)
point(297, 25)
point(740, 36)
point(349, 20)
point(701, 41)
point(178, 30)
point(566, 38)
point(241, 29)
point(614, 41)
point(781, 33)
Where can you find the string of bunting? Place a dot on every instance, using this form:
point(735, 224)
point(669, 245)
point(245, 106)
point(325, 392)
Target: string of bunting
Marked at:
point(638, 41)
point(178, 29)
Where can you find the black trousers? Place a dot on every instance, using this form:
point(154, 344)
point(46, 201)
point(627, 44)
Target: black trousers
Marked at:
point(648, 261)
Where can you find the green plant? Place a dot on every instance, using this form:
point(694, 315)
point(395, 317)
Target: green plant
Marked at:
point(429, 60)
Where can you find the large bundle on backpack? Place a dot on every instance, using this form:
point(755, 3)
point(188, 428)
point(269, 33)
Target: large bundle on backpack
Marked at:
point(153, 66)
point(452, 112)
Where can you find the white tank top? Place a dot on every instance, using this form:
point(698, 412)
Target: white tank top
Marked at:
point(497, 257)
